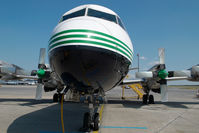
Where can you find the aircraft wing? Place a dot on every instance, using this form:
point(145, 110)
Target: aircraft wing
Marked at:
point(133, 81)
point(6, 77)
point(10, 76)
point(176, 78)
point(26, 77)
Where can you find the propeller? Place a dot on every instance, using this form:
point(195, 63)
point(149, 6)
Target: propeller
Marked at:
point(159, 74)
point(40, 73)
point(162, 74)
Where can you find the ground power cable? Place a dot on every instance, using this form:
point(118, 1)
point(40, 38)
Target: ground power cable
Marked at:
point(62, 116)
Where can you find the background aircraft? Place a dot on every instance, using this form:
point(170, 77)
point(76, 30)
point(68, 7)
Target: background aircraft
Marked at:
point(155, 79)
point(13, 72)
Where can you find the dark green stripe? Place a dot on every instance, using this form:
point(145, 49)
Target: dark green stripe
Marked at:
point(90, 42)
point(89, 31)
point(86, 36)
point(68, 36)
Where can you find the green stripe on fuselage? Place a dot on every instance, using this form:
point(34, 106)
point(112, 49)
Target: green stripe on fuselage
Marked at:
point(91, 37)
point(90, 31)
point(89, 42)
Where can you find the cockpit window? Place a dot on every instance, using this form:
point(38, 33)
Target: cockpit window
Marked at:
point(102, 15)
point(74, 14)
point(120, 23)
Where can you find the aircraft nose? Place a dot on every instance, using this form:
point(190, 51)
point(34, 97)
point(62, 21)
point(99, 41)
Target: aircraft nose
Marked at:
point(83, 23)
point(79, 32)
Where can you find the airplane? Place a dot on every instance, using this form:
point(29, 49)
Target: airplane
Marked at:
point(155, 79)
point(13, 72)
point(90, 53)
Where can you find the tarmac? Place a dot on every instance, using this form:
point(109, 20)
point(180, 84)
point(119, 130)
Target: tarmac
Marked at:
point(20, 113)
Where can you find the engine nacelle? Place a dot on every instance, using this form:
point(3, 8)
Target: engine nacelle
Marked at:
point(195, 73)
point(156, 90)
point(192, 74)
point(51, 85)
point(47, 89)
point(152, 85)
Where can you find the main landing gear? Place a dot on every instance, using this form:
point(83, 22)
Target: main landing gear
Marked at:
point(91, 118)
point(148, 99)
point(57, 97)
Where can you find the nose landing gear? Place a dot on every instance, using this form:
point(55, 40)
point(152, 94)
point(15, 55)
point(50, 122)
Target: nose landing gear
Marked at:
point(91, 118)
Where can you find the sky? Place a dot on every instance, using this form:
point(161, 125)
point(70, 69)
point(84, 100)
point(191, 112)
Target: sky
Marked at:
point(26, 26)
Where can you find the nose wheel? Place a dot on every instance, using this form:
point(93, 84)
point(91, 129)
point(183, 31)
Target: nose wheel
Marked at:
point(90, 123)
point(91, 119)
point(96, 122)
point(86, 121)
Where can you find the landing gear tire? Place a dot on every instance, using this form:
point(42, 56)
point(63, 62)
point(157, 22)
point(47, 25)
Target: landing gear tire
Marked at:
point(96, 122)
point(144, 99)
point(55, 97)
point(91, 118)
point(86, 122)
point(151, 99)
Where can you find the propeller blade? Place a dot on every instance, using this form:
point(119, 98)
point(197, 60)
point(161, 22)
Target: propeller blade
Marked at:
point(164, 93)
point(147, 74)
point(163, 90)
point(42, 57)
point(38, 95)
point(161, 55)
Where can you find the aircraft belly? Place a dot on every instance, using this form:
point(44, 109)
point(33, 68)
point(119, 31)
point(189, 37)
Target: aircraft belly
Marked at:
point(87, 67)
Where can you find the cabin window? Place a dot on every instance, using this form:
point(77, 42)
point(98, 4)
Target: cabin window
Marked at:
point(74, 14)
point(102, 15)
point(120, 23)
